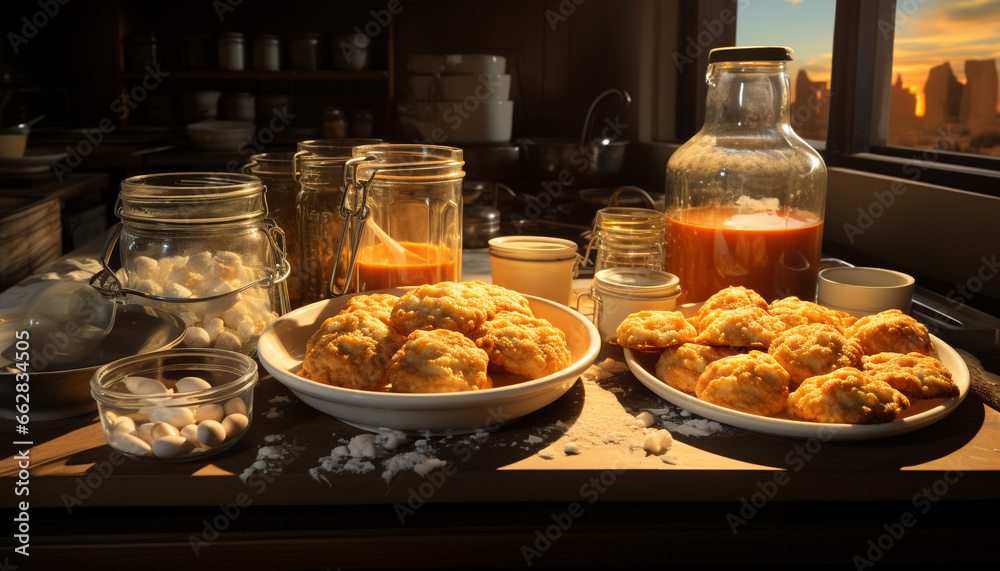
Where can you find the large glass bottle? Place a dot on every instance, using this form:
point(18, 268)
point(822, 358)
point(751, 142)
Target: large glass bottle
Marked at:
point(745, 196)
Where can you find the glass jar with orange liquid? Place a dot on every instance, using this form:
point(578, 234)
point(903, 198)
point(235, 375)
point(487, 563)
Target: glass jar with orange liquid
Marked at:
point(745, 195)
point(403, 206)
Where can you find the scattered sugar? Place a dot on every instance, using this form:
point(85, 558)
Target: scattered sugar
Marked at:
point(280, 398)
point(644, 420)
point(273, 413)
point(532, 439)
point(658, 442)
point(546, 454)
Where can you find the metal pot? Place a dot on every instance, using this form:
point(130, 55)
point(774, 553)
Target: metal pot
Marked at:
point(567, 161)
point(574, 162)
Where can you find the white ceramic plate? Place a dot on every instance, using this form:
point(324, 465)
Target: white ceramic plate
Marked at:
point(34, 161)
point(921, 413)
point(281, 349)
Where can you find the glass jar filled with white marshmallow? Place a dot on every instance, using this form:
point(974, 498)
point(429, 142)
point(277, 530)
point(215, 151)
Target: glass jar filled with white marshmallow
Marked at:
point(200, 245)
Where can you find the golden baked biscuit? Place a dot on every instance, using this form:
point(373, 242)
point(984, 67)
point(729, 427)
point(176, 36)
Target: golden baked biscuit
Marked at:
point(680, 366)
point(846, 395)
point(753, 383)
point(502, 299)
point(913, 374)
point(733, 297)
point(891, 330)
point(350, 350)
point(523, 345)
point(809, 350)
point(438, 361)
point(793, 312)
point(654, 330)
point(378, 304)
point(743, 327)
point(456, 306)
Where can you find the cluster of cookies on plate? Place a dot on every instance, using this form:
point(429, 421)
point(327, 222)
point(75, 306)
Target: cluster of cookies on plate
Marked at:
point(793, 356)
point(436, 338)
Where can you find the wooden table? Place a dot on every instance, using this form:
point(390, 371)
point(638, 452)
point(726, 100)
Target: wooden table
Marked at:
point(512, 496)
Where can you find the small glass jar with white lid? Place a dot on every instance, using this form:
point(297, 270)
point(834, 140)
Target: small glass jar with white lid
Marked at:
point(535, 265)
point(619, 292)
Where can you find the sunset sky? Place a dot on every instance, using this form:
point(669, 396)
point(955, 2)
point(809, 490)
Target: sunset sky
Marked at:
point(927, 33)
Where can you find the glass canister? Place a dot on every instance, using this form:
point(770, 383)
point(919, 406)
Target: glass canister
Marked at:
point(617, 293)
point(403, 204)
point(319, 172)
point(627, 238)
point(746, 195)
point(231, 51)
point(199, 245)
point(276, 171)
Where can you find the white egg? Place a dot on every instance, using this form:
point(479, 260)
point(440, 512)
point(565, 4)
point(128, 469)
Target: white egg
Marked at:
point(211, 433)
point(235, 405)
point(145, 432)
point(172, 446)
point(177, 416)
point(124, 425)
point(145, 386)
point(213, 326)
point(196, 337)
point(228, 342)
point(145, 267)
point(130, 444)
point(235, 424)
point(161, 429)
point(209, 412)
point(111, 416)
point(191, 433)
point(176, 291)
point(190, 384)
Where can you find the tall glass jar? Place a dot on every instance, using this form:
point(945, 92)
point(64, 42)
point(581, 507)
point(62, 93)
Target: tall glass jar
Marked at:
point(319, 172)
point(403, 204)
point(627, 238)
point(199, 245)
point(281, 190)
point(746, 195)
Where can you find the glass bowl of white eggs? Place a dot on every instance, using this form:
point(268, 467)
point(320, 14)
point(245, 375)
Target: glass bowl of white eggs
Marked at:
point(177, 404)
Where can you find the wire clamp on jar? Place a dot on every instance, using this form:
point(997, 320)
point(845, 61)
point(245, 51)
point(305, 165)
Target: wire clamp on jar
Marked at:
point(355, 210)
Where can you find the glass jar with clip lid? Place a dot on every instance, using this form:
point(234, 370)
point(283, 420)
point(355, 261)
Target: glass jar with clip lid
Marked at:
point(200, 245)
point(403, 207)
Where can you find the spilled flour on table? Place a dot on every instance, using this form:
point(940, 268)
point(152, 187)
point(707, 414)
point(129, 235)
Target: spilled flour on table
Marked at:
point(360, 454)
point(646, 430)
point(272, 457)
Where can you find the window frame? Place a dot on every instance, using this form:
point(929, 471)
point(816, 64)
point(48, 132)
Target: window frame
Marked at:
point(860, 84)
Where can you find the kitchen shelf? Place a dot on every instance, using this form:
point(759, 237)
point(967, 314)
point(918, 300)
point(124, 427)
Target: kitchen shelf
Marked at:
point(257, 75)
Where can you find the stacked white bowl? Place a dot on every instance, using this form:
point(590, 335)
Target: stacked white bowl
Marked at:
point(461, 98)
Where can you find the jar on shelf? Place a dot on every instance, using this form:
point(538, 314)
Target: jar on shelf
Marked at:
point(334, 124)
point(319, 172)
point(267, 52)
point(362, 123)
point(275, 170)
point(745, 196)
point(199, 245)
point(626, 237)
point(197, 51)
point(304, 48)
point(141, 51)
point(231, 51)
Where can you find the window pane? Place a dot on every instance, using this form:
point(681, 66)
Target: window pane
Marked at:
point(944, 66)
point(806, 26)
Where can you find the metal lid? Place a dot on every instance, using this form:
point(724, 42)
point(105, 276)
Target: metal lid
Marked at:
point(637, 282)
point(533, 248)
point(751, 53)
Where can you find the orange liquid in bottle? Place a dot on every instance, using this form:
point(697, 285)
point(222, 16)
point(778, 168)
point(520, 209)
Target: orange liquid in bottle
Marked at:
point(775, 254)
point(379, 268)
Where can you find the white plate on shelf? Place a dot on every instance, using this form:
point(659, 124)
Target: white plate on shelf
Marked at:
point(34, 161)
point(921, 413)
point(281, 349)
